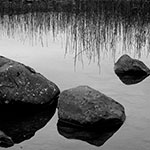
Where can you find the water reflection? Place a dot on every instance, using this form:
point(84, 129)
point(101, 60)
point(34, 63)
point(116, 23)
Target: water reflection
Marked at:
point(16, 126)
point(106, 28)
point(97, 136)
point(128, 79)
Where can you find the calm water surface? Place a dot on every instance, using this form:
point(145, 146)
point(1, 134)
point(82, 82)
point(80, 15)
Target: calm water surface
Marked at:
point(74, 49)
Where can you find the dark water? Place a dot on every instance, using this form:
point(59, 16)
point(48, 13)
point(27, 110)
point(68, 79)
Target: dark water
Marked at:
point(74, 46)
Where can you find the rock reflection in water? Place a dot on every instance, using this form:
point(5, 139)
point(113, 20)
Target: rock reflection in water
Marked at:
point(128, 80)
point(97, 136)
point(16, 127)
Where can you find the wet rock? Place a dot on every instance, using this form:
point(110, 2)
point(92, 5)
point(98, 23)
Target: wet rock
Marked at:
point(97, 136)
point(17, 127)
point(22, 84)
point(131, 67)
point(84, 106)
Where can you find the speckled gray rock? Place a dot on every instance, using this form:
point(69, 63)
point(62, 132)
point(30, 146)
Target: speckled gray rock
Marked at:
point(128, 66)
point(21, 84)
point(85, 106)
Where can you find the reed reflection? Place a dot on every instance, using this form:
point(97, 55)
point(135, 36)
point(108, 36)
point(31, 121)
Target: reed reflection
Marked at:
point(106, 28)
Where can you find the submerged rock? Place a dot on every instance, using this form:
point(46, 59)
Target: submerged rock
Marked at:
point(97, 136)
point(128, 66)
point(84, 106)
point(5, 141)
point(21, 84)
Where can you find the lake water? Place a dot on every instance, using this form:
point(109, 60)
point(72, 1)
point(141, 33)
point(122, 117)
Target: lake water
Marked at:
point(79, 48)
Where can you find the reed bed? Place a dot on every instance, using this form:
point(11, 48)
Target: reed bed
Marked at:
point(108, 27)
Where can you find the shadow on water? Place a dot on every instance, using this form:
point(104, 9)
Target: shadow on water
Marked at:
point(106, 28)
point(94, 136)
point(16, 126)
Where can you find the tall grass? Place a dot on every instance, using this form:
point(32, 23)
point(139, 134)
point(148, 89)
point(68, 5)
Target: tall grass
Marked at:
point(92, 28)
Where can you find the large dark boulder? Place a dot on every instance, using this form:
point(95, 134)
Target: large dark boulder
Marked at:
point(20, 84)
point(128, 66)
point(84, 106)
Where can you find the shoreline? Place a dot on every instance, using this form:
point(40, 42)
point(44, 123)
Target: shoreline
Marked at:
point(25, 6)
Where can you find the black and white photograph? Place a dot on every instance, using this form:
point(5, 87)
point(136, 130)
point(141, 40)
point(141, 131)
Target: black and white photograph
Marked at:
point(74, 74)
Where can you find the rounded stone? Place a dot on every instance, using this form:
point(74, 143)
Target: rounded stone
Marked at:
point(129, 66)
point(22, 84)
point(86, 106)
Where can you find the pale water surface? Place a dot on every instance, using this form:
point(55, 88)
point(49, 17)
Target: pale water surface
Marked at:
point(72, 50)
